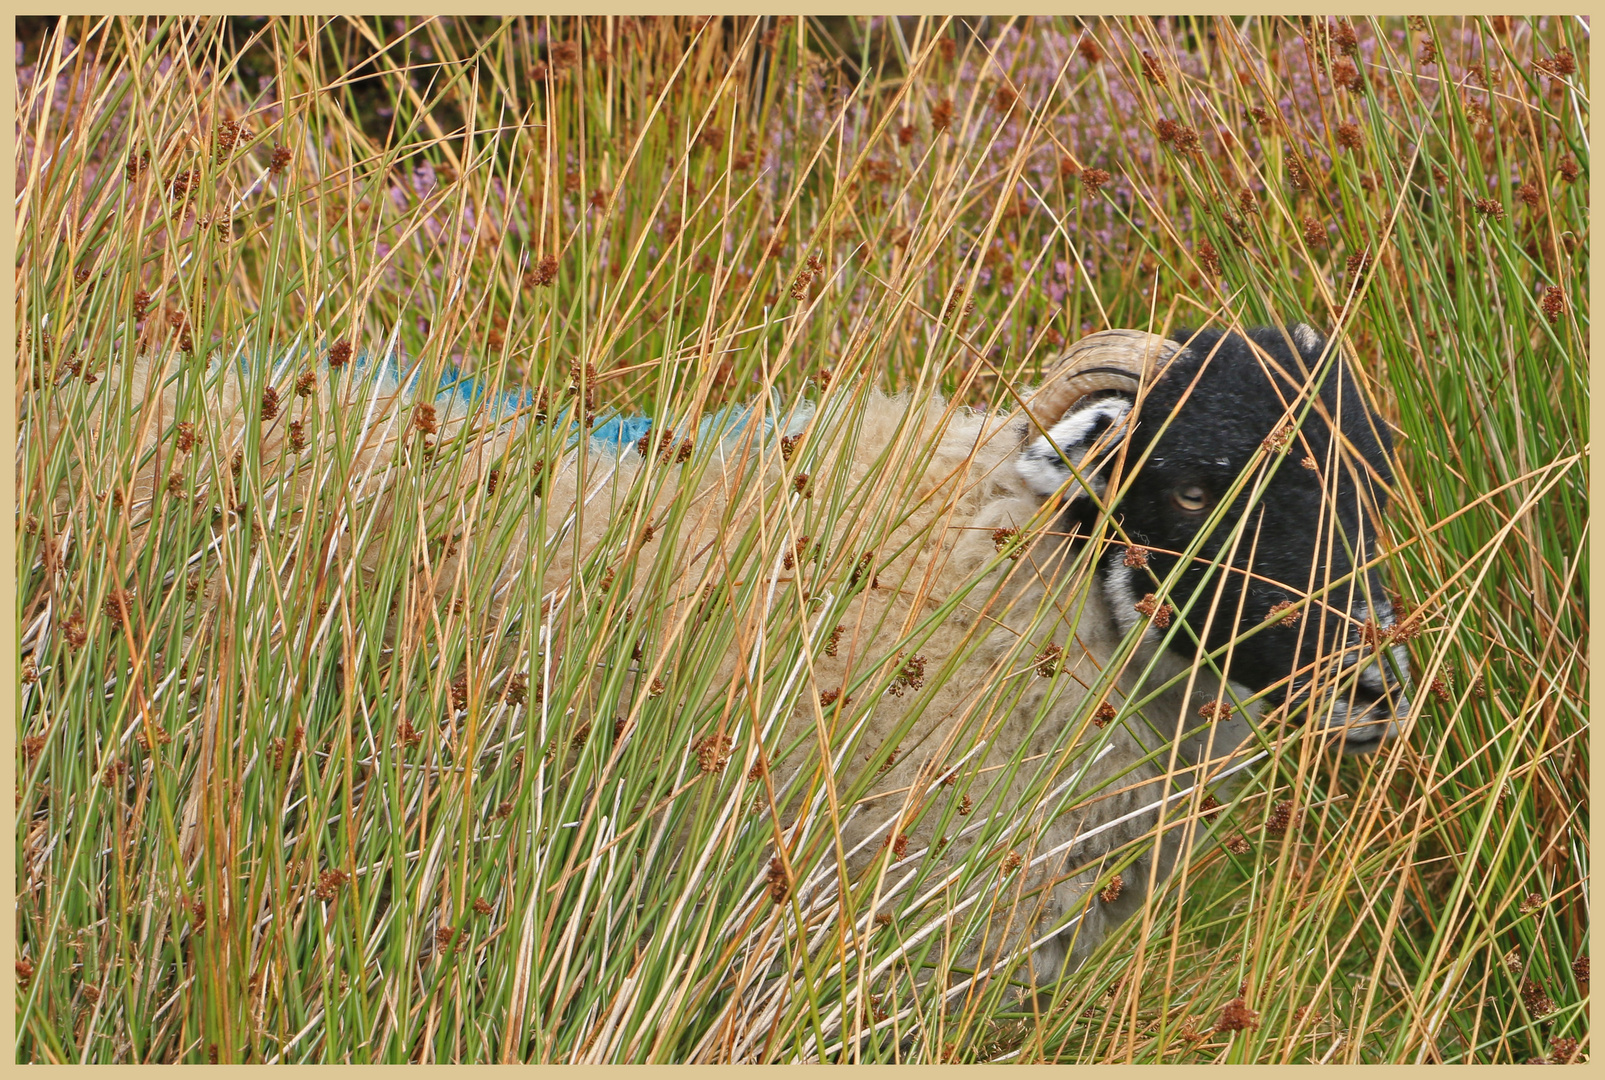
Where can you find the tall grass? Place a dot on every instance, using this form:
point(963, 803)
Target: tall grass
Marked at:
point(304, 779)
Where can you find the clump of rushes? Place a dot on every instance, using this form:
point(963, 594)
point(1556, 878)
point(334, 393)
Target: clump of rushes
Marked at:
point(627, 218)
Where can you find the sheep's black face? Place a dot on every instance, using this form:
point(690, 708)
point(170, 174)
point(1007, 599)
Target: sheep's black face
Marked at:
point(1198, 428)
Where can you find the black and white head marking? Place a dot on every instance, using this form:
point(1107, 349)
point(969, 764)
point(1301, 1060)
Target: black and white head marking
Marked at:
point(1087, 436)
point(1213, 403)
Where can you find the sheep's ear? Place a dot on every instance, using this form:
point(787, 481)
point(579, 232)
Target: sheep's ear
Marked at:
point(1309, 340)
point(1087, 436)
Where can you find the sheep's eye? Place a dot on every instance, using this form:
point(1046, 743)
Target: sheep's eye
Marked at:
point(1190, 497)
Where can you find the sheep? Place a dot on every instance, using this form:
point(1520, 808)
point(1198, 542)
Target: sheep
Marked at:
point(1044, 533)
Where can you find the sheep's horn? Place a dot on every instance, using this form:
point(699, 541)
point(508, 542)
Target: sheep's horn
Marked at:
point(1107, 360)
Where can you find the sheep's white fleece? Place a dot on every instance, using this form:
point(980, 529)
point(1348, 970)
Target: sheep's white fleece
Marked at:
point(938, 540)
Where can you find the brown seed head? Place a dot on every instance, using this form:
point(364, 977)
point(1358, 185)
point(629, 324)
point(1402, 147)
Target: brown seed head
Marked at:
point(563, 54)
point(1563, 1051)
point(1344, 38)
point(1281, 817)
point(713, 753)
point(117, 606)
point(1296, 174)
point(834, 641)
point(340, 353)
point(1349, 137)
point(1150, 607)
point(229, 135)
point(1278, 440)
point(73, 630)
point(1237, 1016)
point(1292, 614)
point(1093, 180)
point(1152, 70)
point(183, 184)
point(910, 676)
point(779, 881)
point(279, 160)
point(1048, 661)
point(1536, 998)
point(543, 273)
point(1554, 302)
point(1345, 76)
point(1111, 892)
point(1004, 540)
point(942, 115)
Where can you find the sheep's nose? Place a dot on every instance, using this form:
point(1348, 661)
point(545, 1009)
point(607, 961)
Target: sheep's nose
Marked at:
point(1368, 709)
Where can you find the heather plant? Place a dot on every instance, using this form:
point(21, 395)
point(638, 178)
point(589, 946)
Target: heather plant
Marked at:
point(298, 781)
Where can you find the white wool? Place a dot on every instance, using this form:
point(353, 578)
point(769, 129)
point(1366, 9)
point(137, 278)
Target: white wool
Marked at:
point(968, 486)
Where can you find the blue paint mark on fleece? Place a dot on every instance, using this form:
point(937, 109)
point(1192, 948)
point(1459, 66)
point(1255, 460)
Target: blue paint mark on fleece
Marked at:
point(460, 394)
